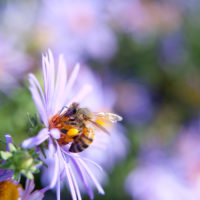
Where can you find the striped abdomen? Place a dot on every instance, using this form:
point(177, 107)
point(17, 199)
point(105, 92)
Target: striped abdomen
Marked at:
point(83, 141)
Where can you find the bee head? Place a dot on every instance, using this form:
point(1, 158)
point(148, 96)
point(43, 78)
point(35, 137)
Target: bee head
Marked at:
point(84, 113)
point(75, 108)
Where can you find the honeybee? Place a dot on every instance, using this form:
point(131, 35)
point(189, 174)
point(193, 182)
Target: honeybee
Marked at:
point(79, 118)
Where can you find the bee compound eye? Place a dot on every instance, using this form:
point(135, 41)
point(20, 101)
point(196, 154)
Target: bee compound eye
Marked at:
point(75, 110)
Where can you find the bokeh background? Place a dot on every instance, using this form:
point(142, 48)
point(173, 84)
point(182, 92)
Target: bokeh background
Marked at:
point(145, 55)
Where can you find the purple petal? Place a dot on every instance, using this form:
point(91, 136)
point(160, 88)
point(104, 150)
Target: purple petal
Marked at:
point(75, 183)
point(28, 188)
point(38, 102)
point(46, 81)
point(83, 178)
point(48, 73)
point(97, 184)
point(51, 147)
point(56, 173)
point(36, 195)
point(55, 133)
point(71, 81)
point(61, 80)
point(51, 80)
point(5, 174)
point(68, 175)
point(70, 182)
point(85, 90)
point(8, 140)
point(34, 141)
point(33, 80)
point(58, 189)
point(44, 72)
point(94, 163)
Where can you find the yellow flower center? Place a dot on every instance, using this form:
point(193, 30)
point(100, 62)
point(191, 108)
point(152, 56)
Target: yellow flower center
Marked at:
point(9, 191)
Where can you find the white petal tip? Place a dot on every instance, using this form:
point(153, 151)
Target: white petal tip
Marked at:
point(55, 133)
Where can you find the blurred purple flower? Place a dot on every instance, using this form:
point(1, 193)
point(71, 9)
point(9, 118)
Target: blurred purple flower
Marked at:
point(144, 18)
point(173, 51)
point(175, 175)
point(49, 103)
point(158, 182)
point(138, 108)
point(83, 25)
point(13, 64)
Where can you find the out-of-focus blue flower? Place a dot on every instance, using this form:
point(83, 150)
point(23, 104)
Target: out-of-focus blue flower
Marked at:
point(173, 51)
point(79, 29)
point(144, 18)
point(138, 107)
point(174, 175)
point(158, 182)
point(13, 64)
point(67, 165)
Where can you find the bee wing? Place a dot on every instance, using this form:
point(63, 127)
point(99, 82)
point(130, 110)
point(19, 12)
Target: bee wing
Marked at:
point(112, 117)
point(100, 127)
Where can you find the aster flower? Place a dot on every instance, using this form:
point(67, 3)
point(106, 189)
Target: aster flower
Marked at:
point(105, 150)
point(11, 189)
point(49, 102)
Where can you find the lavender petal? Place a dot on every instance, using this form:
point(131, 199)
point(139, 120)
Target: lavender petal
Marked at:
point(75, 183)
point(85, 90)
point(97, 184)
point(56, 172)
point(38, 102)
point(34, 141)
point(83, 178)
point(55, 133)
point(58, 189)
point(71, 81)
point(5, 174)
point(33, 81)
point(61, 80)
point(70, 182)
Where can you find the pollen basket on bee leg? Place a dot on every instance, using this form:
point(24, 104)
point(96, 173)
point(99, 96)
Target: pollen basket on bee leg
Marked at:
point(66, 127)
